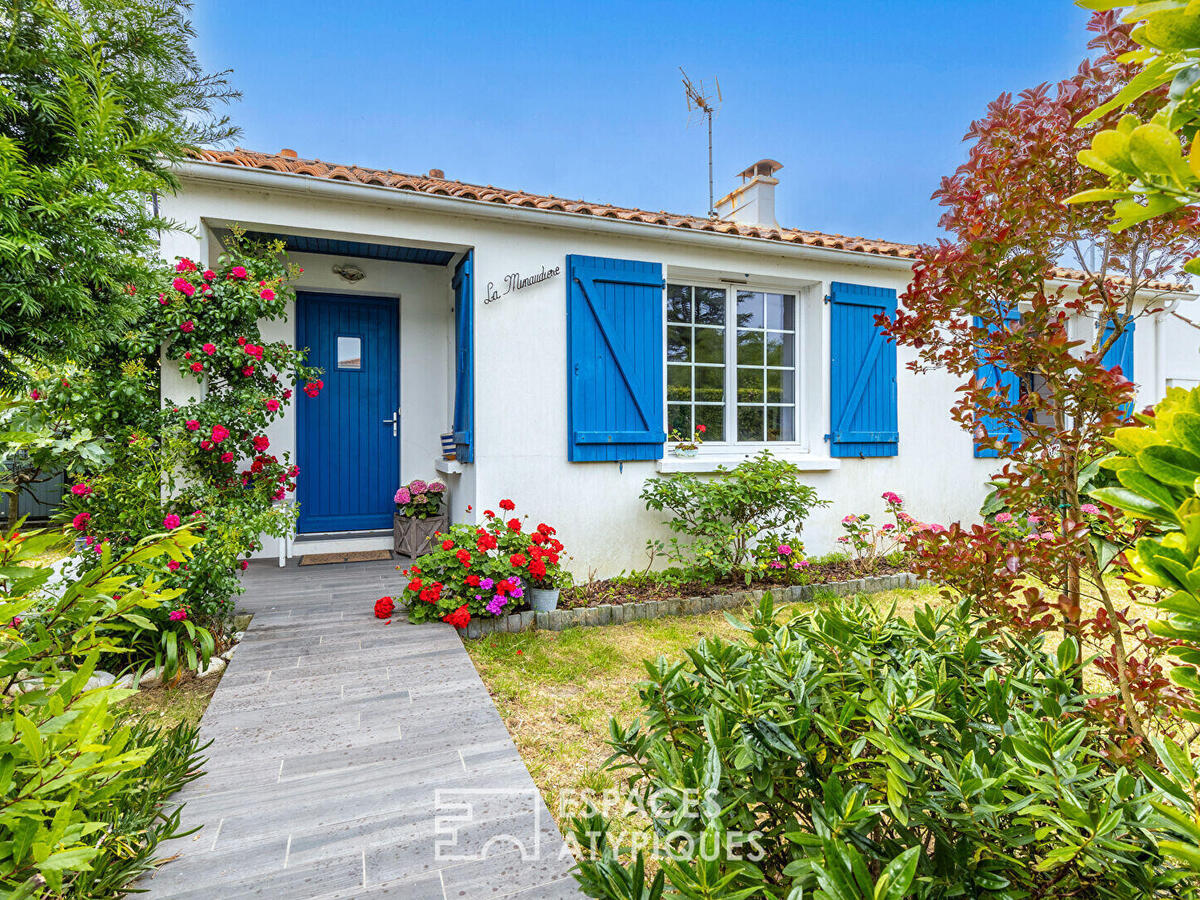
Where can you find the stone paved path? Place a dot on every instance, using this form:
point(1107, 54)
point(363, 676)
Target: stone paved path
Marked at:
point(353, 759)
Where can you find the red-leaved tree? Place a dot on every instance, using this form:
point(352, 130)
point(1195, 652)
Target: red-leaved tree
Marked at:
point(996, 306)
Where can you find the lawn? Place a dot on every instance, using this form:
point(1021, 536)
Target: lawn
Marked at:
point(557, 690)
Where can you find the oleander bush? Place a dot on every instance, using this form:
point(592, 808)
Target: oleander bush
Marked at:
point(81, 790)
point(842, 754)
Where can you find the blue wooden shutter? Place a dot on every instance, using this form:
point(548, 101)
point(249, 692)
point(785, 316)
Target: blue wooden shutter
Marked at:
point(1120, 354)
point(464, 362)
point(1001, 380)
point(862, 364)
point(614, 359)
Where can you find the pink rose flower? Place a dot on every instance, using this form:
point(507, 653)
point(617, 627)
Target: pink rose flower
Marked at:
point(210, 349)
point(79, 523)
point(255, 350)
point(185, 265)
point(188, 327)
point(272, 404)
point(237, 272)
point(192, 425)
point(785, 550)
point(81, 490)
point(184, 286)
point(209, 274)
point(261, 443)
point(172, 565)
point(219, 433)
point(226, 457)
point(177, 615)
point(33, 395)
point(171, 522)
point(267, 294)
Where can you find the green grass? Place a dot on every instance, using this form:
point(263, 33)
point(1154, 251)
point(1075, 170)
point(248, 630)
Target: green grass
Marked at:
point(556, 691)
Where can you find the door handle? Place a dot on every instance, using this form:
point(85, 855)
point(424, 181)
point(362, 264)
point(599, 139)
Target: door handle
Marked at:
point(394, 421)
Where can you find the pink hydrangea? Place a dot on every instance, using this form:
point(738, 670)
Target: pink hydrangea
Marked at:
point(850, 518)
point(403, 496)
point(436, 487)
point(417, 486)
point(171, 522)
point(1003, 518)
point(1090, 509)
point(892, 498)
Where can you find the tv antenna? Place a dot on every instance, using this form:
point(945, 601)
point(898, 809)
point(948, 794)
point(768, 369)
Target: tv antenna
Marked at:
point(700, 100)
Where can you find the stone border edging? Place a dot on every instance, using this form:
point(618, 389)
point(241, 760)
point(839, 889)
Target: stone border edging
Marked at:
point(622, 613)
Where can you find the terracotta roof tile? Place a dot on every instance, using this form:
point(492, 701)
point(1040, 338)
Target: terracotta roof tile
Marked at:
point(436, 183)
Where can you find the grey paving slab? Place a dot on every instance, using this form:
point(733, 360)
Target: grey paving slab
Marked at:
point(356, 759)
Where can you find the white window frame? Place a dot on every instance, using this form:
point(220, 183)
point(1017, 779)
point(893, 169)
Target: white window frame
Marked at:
point(732, 447)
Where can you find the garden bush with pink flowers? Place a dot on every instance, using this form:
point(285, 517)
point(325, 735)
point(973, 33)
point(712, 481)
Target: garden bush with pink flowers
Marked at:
point(207, 462)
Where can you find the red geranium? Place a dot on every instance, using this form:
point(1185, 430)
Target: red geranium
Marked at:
point(384, 607)
point(459, 618)
point(507, 505)
point(473, 580)
point(447, 544)
point(518, 559)
point(514, 524)
point(415, 584)
point(464, 557)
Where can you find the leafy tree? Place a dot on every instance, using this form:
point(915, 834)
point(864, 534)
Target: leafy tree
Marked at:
point(993, 306)
point(98, 99)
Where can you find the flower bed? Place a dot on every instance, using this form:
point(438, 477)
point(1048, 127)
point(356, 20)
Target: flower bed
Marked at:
point(632, 610)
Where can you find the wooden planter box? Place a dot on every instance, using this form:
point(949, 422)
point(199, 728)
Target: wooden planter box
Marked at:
point(412, 537)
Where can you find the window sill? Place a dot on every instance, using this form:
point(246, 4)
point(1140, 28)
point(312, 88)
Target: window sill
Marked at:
point(708, 462)
point(447, 466)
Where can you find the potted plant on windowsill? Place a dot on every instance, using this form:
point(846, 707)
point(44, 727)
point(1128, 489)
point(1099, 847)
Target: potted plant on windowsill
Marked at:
point(687, 447)
point(418, 517)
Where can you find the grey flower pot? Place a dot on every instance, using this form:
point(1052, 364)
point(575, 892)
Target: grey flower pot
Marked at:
point(543, 599)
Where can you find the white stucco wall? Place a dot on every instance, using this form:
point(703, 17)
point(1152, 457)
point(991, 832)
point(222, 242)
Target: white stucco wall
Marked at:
point(520, 371)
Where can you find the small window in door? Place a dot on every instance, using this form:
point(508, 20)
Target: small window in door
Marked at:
point(349, 352)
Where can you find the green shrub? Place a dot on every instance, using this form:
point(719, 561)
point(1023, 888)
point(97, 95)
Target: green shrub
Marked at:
point(722, 518)
point(66, 762)
point(851, 755)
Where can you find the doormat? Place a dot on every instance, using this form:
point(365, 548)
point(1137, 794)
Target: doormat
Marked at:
point(324, 559)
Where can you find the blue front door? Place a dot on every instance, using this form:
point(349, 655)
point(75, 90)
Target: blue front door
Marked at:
point(348, 436)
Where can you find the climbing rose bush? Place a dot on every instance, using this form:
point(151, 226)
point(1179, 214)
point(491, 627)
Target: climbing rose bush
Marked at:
point(482, 570)
point(207, 462)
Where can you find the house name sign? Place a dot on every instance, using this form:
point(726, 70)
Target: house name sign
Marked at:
point(515, 281)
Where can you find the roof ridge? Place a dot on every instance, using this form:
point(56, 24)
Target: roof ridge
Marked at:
point(290, 163)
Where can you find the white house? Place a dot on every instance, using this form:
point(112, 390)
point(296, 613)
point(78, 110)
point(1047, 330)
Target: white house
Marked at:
point(562, 340)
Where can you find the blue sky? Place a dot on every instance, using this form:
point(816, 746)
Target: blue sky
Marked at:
point(865, 103)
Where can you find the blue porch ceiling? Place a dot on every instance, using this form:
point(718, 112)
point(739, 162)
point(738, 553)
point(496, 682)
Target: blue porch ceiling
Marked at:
point(295, 243)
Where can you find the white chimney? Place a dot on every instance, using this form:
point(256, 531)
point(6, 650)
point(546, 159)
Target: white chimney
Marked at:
point(753, 201)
